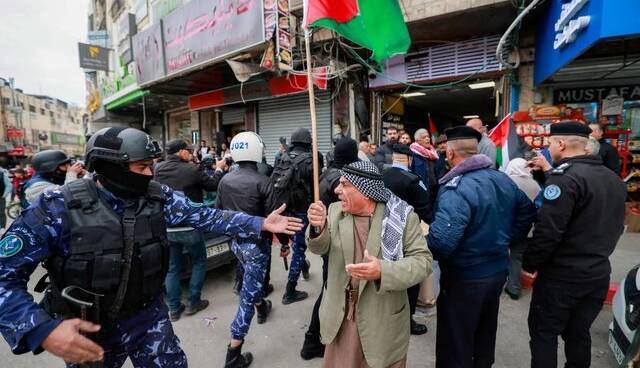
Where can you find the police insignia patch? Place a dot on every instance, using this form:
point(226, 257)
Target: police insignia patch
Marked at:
point(552, 192)
point(10, 246)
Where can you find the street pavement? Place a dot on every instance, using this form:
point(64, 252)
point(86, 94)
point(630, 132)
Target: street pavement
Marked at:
point(277, 343)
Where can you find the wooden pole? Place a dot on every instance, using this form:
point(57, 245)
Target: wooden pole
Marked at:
point(314, 125)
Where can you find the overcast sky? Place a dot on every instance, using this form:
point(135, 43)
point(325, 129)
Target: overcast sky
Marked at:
point(39, 46)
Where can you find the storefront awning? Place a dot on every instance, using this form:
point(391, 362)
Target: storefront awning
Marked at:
point(129, 98)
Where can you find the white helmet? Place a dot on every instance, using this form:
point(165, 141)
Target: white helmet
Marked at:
point(247, 146)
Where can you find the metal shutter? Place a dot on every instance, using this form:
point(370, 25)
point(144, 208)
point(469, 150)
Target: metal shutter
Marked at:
point(454, 59)
point(279, 117)
point(233, 115)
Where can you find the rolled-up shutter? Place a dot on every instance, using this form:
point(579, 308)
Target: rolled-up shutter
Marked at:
point(233, 115)
point(279, 117)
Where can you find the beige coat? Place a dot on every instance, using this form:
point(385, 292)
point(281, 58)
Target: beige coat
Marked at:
point(382, 313)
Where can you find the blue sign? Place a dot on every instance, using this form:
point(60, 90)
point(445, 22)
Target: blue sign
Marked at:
point(571, 27)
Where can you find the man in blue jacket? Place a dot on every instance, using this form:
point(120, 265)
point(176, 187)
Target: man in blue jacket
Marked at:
point(479, 212)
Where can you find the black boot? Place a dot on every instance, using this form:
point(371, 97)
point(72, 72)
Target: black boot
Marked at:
point(312, 347)
point(235, 358)
point(418, 328)
point(292, 295)
point(263, 310)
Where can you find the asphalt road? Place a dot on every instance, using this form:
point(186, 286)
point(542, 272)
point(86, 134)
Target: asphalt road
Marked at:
point(277, 343)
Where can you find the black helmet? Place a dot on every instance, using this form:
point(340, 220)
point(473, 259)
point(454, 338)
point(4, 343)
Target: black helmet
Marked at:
point(47, 161)
point(120, 145)
point(301, 135)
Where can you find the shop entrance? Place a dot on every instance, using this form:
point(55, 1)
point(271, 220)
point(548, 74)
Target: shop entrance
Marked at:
point(447, 107)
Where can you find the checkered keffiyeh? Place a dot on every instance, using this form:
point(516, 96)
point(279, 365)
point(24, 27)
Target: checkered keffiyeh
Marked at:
point(367, 179)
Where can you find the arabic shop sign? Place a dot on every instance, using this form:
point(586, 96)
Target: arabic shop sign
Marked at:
point(595, 94)
point(205, 31)
point(566, 27)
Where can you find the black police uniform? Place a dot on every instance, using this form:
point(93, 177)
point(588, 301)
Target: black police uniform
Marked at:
point(246, 189)
point(410, 189)
point(579, 224)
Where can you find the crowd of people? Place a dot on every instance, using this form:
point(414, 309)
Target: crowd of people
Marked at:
point(387, 218)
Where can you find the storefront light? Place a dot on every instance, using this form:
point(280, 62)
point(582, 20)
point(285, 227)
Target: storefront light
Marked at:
point(412, 94)
point(471, 117)
point(481, 85)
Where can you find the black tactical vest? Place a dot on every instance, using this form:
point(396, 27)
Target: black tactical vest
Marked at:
point(98, 251)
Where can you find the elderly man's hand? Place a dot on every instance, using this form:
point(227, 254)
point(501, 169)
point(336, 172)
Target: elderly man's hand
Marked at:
point(539, 163)
point(370, 269)
point(317, 215)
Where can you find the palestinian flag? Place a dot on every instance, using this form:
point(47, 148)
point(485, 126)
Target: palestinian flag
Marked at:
point(508, 143)
point(377, 25)
point(433, 129)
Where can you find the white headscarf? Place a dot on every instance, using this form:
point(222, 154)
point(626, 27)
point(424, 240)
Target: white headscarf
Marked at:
point(521, 175)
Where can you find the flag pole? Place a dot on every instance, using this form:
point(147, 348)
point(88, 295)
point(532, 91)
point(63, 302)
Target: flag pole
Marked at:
point(314, 125)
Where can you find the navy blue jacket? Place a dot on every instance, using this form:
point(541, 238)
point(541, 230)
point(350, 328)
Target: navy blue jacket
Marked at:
point(479, 212)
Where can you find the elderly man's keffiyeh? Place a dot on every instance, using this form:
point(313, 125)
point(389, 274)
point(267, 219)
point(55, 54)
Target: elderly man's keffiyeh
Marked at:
point(367, 179)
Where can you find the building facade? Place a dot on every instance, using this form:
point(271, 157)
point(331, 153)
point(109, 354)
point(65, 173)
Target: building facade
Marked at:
point(31, 123)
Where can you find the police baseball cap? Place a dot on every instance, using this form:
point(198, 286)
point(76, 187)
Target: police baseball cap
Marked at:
point(462, 132)
point(571, 127)
point(402, 149)
point(177, 145)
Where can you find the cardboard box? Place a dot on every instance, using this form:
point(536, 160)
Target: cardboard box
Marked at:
point(632, 217)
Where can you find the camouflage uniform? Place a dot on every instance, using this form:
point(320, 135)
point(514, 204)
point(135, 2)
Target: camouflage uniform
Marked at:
point(253, 258)
point(298, 249)
point(42, 231)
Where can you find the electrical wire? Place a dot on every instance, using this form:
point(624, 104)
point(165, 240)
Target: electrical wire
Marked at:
point(507, 33)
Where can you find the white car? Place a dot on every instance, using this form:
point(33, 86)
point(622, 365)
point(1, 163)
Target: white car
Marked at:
point(626, 316)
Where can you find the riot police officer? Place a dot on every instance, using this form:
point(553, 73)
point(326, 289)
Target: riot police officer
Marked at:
point(106, 239)
point(53, 168)
point(247, 190)
point(578, 227)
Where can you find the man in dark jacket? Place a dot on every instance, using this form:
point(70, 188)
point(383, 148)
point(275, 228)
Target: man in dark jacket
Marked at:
point(607, 152)
point(345, 152)
point(300, 198)
point(479, 212)
point(410, 188)
point(384, 153)
point(578, 227)
point(179, 173)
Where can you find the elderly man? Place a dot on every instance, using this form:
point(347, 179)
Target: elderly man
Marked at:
point(486, 145)
point(363, 151)
point(424, 162)
point(608, 153)
point(376, 248)
point(479, 212)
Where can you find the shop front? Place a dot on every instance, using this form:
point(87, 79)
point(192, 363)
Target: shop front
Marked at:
point(273, 108)
point(586, 67)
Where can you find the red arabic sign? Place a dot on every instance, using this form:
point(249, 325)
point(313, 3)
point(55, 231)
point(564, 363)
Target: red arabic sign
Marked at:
point(258, 90)
point(13, 133)
point(16, 151)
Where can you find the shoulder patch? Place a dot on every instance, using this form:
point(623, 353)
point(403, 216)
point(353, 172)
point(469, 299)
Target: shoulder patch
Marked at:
point(453, 183)
point(560, 169)
point(552, 192)
point(10, 246)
